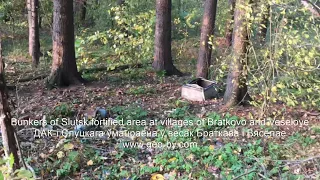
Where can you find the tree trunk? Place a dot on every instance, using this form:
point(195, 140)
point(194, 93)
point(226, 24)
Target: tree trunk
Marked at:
point(64, 69)
point(40, 21)
point(83, 10)
point(34, 42)
point(29, 24)
point(229, 26)
point(39, 14)
point(162, 55)
point(207, 31)
point(7, 130)
point(237, 90)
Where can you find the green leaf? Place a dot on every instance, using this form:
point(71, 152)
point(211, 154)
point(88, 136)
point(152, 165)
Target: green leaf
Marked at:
point(2, 162)
point(68, 146)
point(23, 173)
point(73, 155)
point(1, 176)
point(11, 160)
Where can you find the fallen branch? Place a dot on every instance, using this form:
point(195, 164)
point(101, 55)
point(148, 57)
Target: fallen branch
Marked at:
point(32, 78)
point(290, 161)
point(262, 176)
point(32, 170)
point(89, 70)
point(246, 173)
point(116, 69)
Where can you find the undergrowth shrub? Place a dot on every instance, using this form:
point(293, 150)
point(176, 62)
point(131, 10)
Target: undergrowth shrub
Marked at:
point(285, 67)
point(6, 165)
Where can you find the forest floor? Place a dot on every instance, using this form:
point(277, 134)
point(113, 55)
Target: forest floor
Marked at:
point(138, 93)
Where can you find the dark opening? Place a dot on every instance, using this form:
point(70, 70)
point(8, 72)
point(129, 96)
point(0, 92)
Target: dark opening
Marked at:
point(201, 82)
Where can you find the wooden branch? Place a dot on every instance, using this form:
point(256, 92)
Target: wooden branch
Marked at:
point(246, 173)
point(314, 9)
point(315, 6)
point(116, 69)
point(32, 78)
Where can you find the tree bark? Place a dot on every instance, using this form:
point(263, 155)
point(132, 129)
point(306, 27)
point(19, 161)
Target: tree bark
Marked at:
point(162, 55)
point(64, 69)
point(83, 10)
point(237, 90)
point(39, 15)
point(7, 130)
point(229, 26)
point(207, 31)
point(34, 42)
point(29, 25)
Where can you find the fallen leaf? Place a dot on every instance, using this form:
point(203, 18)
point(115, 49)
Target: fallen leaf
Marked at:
point(43, 156)
point(60, 154)
point(274, 89)
point(213, 169)
point(90, 163)
point(190, 157)
point(172, 159)
point(68, 146)
point(157, 177)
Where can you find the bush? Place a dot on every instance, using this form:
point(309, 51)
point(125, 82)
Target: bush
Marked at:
point(6, 171)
